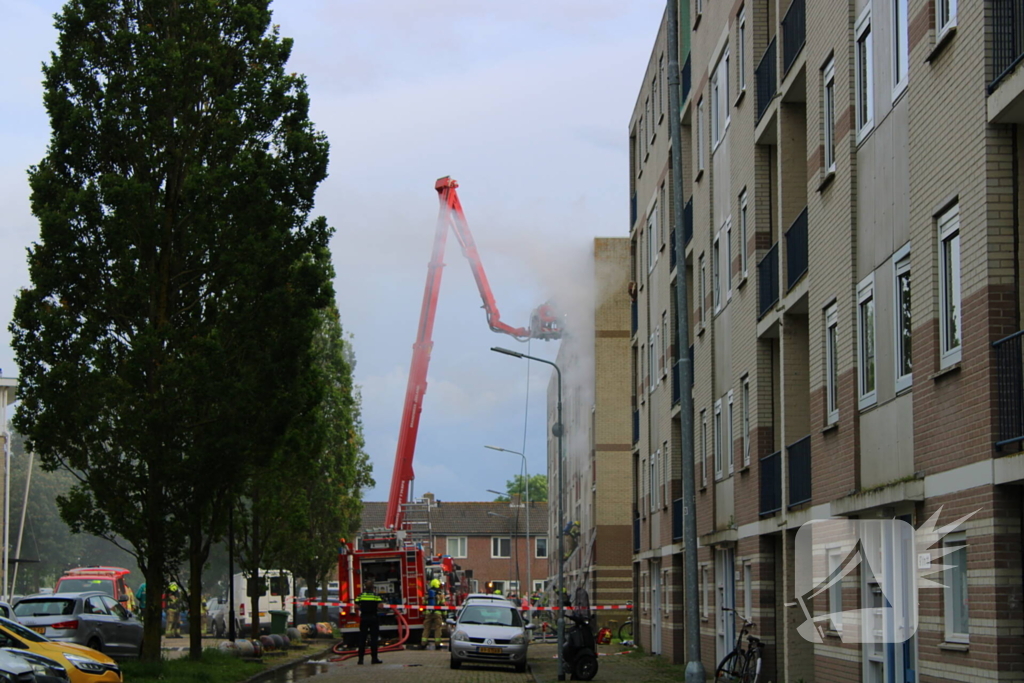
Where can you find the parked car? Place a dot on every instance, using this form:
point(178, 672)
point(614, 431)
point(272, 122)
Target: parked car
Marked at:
point(333, 611)
point(83, 665)
point(6, 611)
point(489, 633)
point(92, 619)
point(26, 666)
point(109, 580)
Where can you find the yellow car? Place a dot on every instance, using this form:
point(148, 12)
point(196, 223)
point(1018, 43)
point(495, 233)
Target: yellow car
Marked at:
point(84, 665)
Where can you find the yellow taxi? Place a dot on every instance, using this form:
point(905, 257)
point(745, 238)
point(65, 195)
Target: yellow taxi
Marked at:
point(83, 664)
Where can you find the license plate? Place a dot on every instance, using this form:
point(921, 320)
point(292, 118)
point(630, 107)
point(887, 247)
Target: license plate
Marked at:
point(263, 614)
point(490, 650)
point(39, 629)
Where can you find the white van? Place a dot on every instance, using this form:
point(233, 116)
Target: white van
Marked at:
point(278, 594)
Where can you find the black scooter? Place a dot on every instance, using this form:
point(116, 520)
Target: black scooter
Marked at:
point(578, 650)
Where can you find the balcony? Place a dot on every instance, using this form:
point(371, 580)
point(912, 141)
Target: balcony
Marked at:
point(675, 384)
point(796, 250)
point(636, 426)
point(632, 210)
point(688, 222)
point(677, 519)
point(636, 531)
point(771, 483)
point(634, 317)
point(672, 249)
point(799, 455)
point(687, 80)
point(1007, 38)
point(766, 79)
point(793, 33)
point(1009, 361)
point(768, 281)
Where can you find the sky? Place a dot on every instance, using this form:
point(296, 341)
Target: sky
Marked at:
point(526, 104)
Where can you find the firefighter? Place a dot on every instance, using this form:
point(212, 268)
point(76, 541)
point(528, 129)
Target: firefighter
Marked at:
point(173, 612)
point(369, 604)
point(432, 620)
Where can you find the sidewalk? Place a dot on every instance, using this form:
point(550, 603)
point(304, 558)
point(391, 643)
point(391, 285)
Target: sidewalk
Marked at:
point(612, 666)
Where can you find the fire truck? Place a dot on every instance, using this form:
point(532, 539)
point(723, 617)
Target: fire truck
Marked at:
point(393, 556)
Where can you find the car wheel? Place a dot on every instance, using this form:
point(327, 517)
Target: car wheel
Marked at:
point(455, 664)
point(95, 644)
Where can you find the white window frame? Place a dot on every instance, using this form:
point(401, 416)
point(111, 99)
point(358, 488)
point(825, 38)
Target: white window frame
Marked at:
point(666, 473)
point(720, 105)
point(746, 420)
point(729, 436)
point(496, 543)
point(829, 79)
point(835, 591)
point(728, 258)
point(945, 17)
point(662, 214)
point(743, 232)
point(701, 291)
point(950, 301)
point(663, 592)
point(657, 353)
point(952, 635)
point(536, 546)
point(719, 455)
point(901, 269)
point(666, 335)
point(832, 363)
point(867, 333)
point(900, 47)
point(652, 376)
point(652, 465)
point(652, 241)
point(462, 542)
point(652, 126)
point(700, 136)
point(865, 101)
point(741, 48)
point(704, 447)
point(643, 375)
point(643, 136)
point(716, 272)
point(661, 86)
point(538, 586)
point(715, 108)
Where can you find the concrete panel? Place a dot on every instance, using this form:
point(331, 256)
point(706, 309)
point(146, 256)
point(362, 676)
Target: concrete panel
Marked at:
point(901, 172)
point(885, 343)
point(721, 188)
point(887, 442)
point(865, 209)
point(723, 350)
point(882, 191)
point(725, 507)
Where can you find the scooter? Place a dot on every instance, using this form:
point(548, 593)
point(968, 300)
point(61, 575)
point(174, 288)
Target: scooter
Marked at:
point(578, 649)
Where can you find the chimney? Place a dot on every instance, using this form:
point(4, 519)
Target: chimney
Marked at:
point(515, 501)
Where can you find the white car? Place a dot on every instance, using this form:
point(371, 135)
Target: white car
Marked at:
point(489, 633)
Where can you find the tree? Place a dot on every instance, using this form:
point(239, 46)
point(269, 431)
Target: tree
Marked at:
point(538, 488)
point(177, 276)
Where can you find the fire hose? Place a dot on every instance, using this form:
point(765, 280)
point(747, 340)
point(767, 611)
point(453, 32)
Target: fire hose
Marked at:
point(403, 635)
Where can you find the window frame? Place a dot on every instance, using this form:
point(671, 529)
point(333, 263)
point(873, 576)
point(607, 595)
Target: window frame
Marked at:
point(728, 258)
point(662, 215)
point(729, 435)
point(900, 47)
point(717, 442)
point(536, 546)
point(704, 446)
point(652, 376)
point(666, 335)
point(832, 363)
point(867, 396)
point(901, 269)
point(745, 416)
point(498, 539)
point(865, 107)
point(652, 242)
point(716, 272)
point(652, 465)
point(661, 86)
point(958, 538)
point(700, 137)
point(835, 591)
point(949, 233)
point(942, 28)
point(829, 114)
point(464, 545)
point(743, 232)
point(701, 290)
point(652, 127)
point(741, 49)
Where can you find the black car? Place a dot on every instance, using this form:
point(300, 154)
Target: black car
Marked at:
point(21, 666)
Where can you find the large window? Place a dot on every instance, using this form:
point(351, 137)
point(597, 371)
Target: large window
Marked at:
point(746, 421)
point(832, 363)
point(900, 47)
point(700, 135)
point(865, 76)
point(501, 546)
point(829, 79)
point(949, 286)
point(956, 617)
point(945, 16)
point(541, 546)
point(716, 274)
point(866, 340)
point(743, 232)
point(903, 327)
point(457, 546)
point(741, 47)
point(720, 100)
point(835, 591)
point(719, 455)
point(661, 86)
point(662, 230)
point(704, 447)
point(727, 266)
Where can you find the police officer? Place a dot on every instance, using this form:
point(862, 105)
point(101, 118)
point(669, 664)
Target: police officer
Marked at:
point(432, 620)
point(369, 604)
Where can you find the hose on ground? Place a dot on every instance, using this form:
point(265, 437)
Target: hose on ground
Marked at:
point(403, 635)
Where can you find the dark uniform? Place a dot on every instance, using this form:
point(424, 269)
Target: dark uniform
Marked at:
point(369, 624)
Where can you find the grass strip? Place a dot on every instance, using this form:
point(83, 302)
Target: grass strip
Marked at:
point(214, 667)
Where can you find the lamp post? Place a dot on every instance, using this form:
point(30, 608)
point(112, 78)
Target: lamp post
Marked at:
point(557, 430)
point(511, 560)
point(529, 556)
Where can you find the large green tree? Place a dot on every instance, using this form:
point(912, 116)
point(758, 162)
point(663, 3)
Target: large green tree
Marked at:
point(177, 276)
point(517, 486)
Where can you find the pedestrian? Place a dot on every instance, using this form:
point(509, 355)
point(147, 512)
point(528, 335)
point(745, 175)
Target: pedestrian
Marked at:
point(173, 612)
point(140, 595)
point(369, 604)
point(432, 620)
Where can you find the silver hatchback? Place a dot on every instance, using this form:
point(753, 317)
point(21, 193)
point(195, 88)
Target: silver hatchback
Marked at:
point(93, 619)
point(489, 633)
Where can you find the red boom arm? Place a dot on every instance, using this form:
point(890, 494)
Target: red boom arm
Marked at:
point(543, 325)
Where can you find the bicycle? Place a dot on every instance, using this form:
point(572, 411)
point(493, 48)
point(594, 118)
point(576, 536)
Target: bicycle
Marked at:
point(741, 666)
point(626, 630)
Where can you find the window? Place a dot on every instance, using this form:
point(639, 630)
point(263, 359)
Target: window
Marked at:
point(746, 421)
point(748, 591)
point(664, 213)
point(700, 289)
point(866, 341)
point(652, 237)
point(719, 469)
point(540, 546)
point(657, 354)
point(949, 286)
point(743, 232)
point(741, 47)
point(704, 591)
point(664, 592)
point(727, 446)
point(457, 546)
point(652, 376)
point(900, 47)
point(643, 374)
point(901, 305)
point(716, 270)
point(655, 487)
point(865, 75)
point(666, 473)
point(715, 115)
point(835, 591)
point(700, 136)
point(727, 267)
point(538, 585)
point(643, 138)
point(945, 16)
point(829, 79)
point(638, 153)
point(501, 546)
point(698, 8)
point(956, 617)
point(720, 100)
point(832, 363)
point(661, 89)
point(652, 126)
point(704, 447)
point(640, 254)
point(666, 348)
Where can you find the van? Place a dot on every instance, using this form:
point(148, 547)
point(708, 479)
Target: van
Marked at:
point(278, 594)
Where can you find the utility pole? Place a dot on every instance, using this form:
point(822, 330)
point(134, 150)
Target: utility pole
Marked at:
point(691, 597)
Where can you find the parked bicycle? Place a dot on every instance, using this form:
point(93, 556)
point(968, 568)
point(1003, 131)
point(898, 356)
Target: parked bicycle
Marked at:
point(626, 630)
point(741, 666)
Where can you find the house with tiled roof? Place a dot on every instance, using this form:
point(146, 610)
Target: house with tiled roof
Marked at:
point(487, 540)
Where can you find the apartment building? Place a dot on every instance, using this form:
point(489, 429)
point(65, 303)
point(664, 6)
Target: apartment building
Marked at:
point(852, 184)
point(594, 360)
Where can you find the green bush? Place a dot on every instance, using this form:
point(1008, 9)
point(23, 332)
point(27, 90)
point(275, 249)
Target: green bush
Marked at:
point(214, 667)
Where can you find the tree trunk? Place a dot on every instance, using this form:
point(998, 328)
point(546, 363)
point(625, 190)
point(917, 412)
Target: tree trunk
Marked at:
point(152, 628)
point(196, 559)
point(255, 581)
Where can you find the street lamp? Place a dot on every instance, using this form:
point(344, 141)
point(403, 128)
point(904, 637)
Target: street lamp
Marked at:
point(511, 560)
point(529, 555)
point(557, 430)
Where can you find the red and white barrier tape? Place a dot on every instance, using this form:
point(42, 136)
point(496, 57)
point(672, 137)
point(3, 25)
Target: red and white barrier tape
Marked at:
point(554, 608)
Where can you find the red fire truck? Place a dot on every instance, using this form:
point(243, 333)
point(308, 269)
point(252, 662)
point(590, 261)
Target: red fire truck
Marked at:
point(388, 555)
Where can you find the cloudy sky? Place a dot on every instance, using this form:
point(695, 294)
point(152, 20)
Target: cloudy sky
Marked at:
point(526, 104)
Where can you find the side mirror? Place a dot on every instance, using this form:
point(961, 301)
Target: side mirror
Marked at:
point(530, 627)
point(450, 622)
